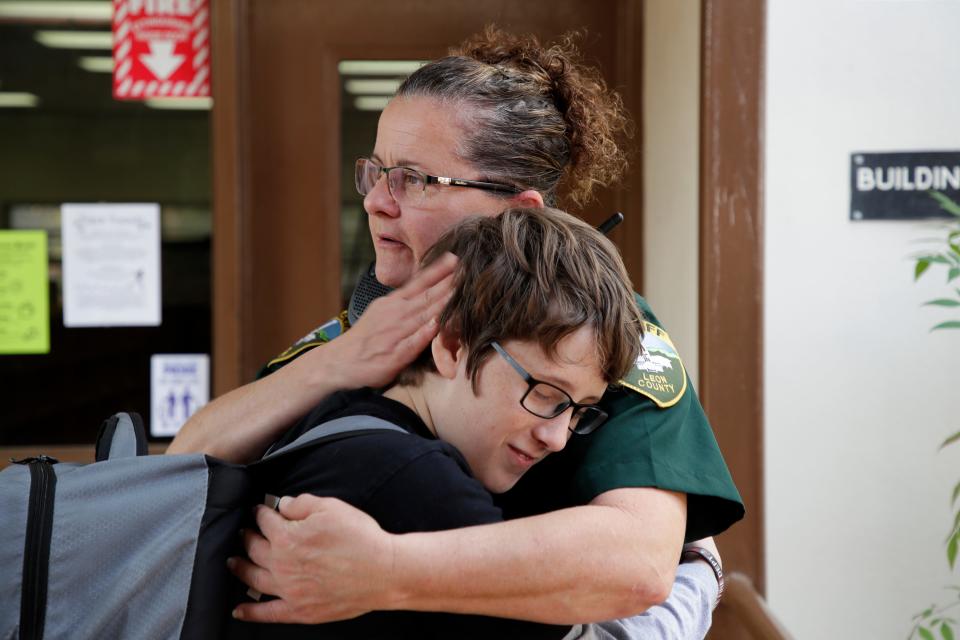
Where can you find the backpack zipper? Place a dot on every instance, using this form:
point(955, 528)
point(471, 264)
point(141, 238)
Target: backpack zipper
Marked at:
point(36, 548)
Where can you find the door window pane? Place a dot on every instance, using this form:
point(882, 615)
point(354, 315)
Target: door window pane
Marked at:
point(65, 139)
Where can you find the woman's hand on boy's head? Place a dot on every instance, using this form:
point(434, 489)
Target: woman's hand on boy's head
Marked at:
point(322, 558)
point(394, 329)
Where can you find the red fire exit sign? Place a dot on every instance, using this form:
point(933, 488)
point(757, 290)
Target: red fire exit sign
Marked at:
point(161, 48)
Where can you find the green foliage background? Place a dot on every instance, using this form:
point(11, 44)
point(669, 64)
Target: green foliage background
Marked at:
point(936, 620)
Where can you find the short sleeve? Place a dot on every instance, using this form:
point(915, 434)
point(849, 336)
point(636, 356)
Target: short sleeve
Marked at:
point(670, 447)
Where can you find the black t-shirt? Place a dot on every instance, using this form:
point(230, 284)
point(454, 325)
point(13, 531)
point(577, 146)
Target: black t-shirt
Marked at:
point(407, 482)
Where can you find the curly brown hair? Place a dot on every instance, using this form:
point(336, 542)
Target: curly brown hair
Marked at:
point(535, 274)
point(538, 117)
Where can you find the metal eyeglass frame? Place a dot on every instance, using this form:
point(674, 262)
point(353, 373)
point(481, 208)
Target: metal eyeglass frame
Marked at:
point(429, 179)
point(533, 382)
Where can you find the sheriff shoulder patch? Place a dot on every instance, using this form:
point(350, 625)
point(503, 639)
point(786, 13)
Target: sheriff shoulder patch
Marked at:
point(322, 334)
point(658, 373)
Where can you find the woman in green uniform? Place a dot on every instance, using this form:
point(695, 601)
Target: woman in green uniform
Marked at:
point(505, 122)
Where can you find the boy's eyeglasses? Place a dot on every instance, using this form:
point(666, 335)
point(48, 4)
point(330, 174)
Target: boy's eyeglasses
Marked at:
point(406, 184)
point(545, 400)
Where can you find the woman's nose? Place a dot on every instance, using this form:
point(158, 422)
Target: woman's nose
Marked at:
point(379, 200)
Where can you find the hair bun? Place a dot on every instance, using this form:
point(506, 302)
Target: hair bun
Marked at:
point(596, 120)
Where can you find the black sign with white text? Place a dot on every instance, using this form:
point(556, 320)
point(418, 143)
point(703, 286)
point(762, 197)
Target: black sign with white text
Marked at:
point(895, 186)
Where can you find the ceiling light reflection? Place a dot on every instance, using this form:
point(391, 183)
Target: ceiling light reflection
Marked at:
point(18, 99)
point(96, 64)
point(91, 12)
point(371, 103)
point(75, 39)
point(180, 103)
point(379, 67)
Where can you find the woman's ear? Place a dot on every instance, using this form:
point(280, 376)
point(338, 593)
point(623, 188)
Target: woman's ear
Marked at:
point(529, 199)
point(447, 352)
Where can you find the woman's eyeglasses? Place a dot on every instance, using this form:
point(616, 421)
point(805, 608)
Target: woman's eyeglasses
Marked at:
point(545, 400)
point(405, 183)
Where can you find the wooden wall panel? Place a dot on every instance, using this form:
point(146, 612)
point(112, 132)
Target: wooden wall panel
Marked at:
point(731, 268)
point(232, 293)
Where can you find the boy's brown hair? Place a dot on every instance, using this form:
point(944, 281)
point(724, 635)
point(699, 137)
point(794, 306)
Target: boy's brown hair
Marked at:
point(535, 274)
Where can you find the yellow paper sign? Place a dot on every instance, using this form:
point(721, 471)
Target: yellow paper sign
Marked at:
point(24, 295)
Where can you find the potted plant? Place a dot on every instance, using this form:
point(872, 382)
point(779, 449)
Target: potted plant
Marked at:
point(936, 620)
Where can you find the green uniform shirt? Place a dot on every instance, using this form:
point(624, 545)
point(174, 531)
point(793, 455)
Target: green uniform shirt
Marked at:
point(660, 438)
point(657, 436)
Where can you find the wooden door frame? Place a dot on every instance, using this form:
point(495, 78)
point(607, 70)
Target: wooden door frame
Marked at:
point(232, 285)
point(731, 259)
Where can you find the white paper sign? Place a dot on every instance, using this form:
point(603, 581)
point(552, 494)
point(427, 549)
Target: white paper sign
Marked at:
point(111, 265)
point(179, 385)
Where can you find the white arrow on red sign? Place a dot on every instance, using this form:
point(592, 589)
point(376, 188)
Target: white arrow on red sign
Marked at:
point(161, 48)
point(161, 60)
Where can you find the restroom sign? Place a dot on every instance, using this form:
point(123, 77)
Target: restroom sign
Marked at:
point(897, 186)
point(179, 385)
point(161, 48)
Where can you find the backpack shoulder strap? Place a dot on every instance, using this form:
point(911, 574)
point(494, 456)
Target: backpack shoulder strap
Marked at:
point(121, 435)
point(334, 430)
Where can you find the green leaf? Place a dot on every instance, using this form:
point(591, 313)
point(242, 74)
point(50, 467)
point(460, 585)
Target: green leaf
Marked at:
point(952, 551)
point(943, 302)
point(946, 203)
point(954, 534)
point(946, 632)
point(953, 498)
point(950, 440)
point(922, 265)
point(953, 274)
point(925, 633)
point(950, 324)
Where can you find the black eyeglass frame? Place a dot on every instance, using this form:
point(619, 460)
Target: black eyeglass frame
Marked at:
point(532, 382)
point(429, 179)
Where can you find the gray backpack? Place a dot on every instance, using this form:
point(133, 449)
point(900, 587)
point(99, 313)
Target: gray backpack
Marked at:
point(132, 545)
